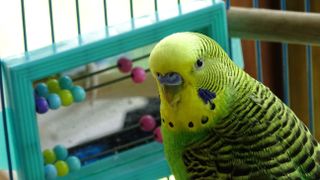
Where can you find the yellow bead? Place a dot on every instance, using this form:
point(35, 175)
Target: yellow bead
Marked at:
point(53, 86)
point(66, 97)
point(49, 156)
point(62, 168)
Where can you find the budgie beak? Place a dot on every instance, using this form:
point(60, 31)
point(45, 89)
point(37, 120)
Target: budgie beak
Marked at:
point(171, 85)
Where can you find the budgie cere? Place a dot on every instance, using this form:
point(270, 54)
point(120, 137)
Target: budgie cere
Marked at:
point(217, 122)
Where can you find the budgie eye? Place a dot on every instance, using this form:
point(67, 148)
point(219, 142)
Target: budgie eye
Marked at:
point(199, 63)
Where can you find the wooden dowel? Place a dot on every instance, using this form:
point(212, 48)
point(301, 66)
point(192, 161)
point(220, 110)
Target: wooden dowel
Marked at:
point(274, 25)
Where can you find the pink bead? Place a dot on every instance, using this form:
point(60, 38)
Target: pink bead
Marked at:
point(147, 123)
point(138, 75)
point(157, 135)
point(124, 65)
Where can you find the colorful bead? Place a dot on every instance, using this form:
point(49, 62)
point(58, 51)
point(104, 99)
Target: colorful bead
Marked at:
point(66, 97)
point(157, 135)
point(147, 123)
point(49, 156)
point(138, 75)
point(53, 86)
point(61, 152)
point(124, 65)
point(62, 168)
point(50, 172)
point(73, 163)
point(41, 105)
point(78, 94)
point(41, 89)
point(65, 82)
point(54, 101)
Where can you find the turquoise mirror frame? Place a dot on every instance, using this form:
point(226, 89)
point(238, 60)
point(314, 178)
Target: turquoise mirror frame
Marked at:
point(20, 72)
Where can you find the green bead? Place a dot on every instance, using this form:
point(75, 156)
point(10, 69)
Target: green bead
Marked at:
point(49, 156)
point(66, 97)
point(62, 168)
point(53, 86)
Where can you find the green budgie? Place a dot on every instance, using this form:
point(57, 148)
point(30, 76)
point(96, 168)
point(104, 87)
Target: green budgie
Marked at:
point(217, 122)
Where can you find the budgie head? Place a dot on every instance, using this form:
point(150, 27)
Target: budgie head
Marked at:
point(193, 75)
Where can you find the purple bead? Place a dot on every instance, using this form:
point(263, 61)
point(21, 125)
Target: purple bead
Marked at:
point(41, 105)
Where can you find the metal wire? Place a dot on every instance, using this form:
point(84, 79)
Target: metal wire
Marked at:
point(309, 76)
point(107, 69)
point(132, 15)
point(258, 51)
point(78, 17)
point(24, 26)
point(156, 9)
point(285, 64)
point(111, 82)
point(105, 12)
point(156, 5)
point(131, 9)
point(51, 21)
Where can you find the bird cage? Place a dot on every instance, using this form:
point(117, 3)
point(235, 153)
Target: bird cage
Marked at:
point(127, 153)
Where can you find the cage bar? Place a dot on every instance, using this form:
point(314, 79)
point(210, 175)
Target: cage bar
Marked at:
point(105, 12)
point(258, 51)
point(23, 16)
point(51, 22)
point(285, 64)
point(309, 77)
point(78, 17)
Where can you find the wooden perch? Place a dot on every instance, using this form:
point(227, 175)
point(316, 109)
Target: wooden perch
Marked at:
point(274, 25)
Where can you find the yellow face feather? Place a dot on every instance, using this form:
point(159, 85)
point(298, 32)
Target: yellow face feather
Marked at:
point(172, 55)
point(182, 110)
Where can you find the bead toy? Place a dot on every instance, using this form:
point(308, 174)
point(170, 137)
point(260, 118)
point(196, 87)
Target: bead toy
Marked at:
point(157, 134)
point(41, 105)
point(54, 101)
point(53, 86)
point(65, 82)
point(73, 163)
point(41, 90)
point(61, 152)
point(62, 168)
point(124, 65)
point(54, 93)
point(138, 75)
point(50, 172)
point(49, 156)
point(66, 97)
point(78, 94)
point(147, 123)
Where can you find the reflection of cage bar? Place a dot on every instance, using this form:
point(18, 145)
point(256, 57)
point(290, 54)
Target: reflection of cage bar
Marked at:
point(145, 161)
